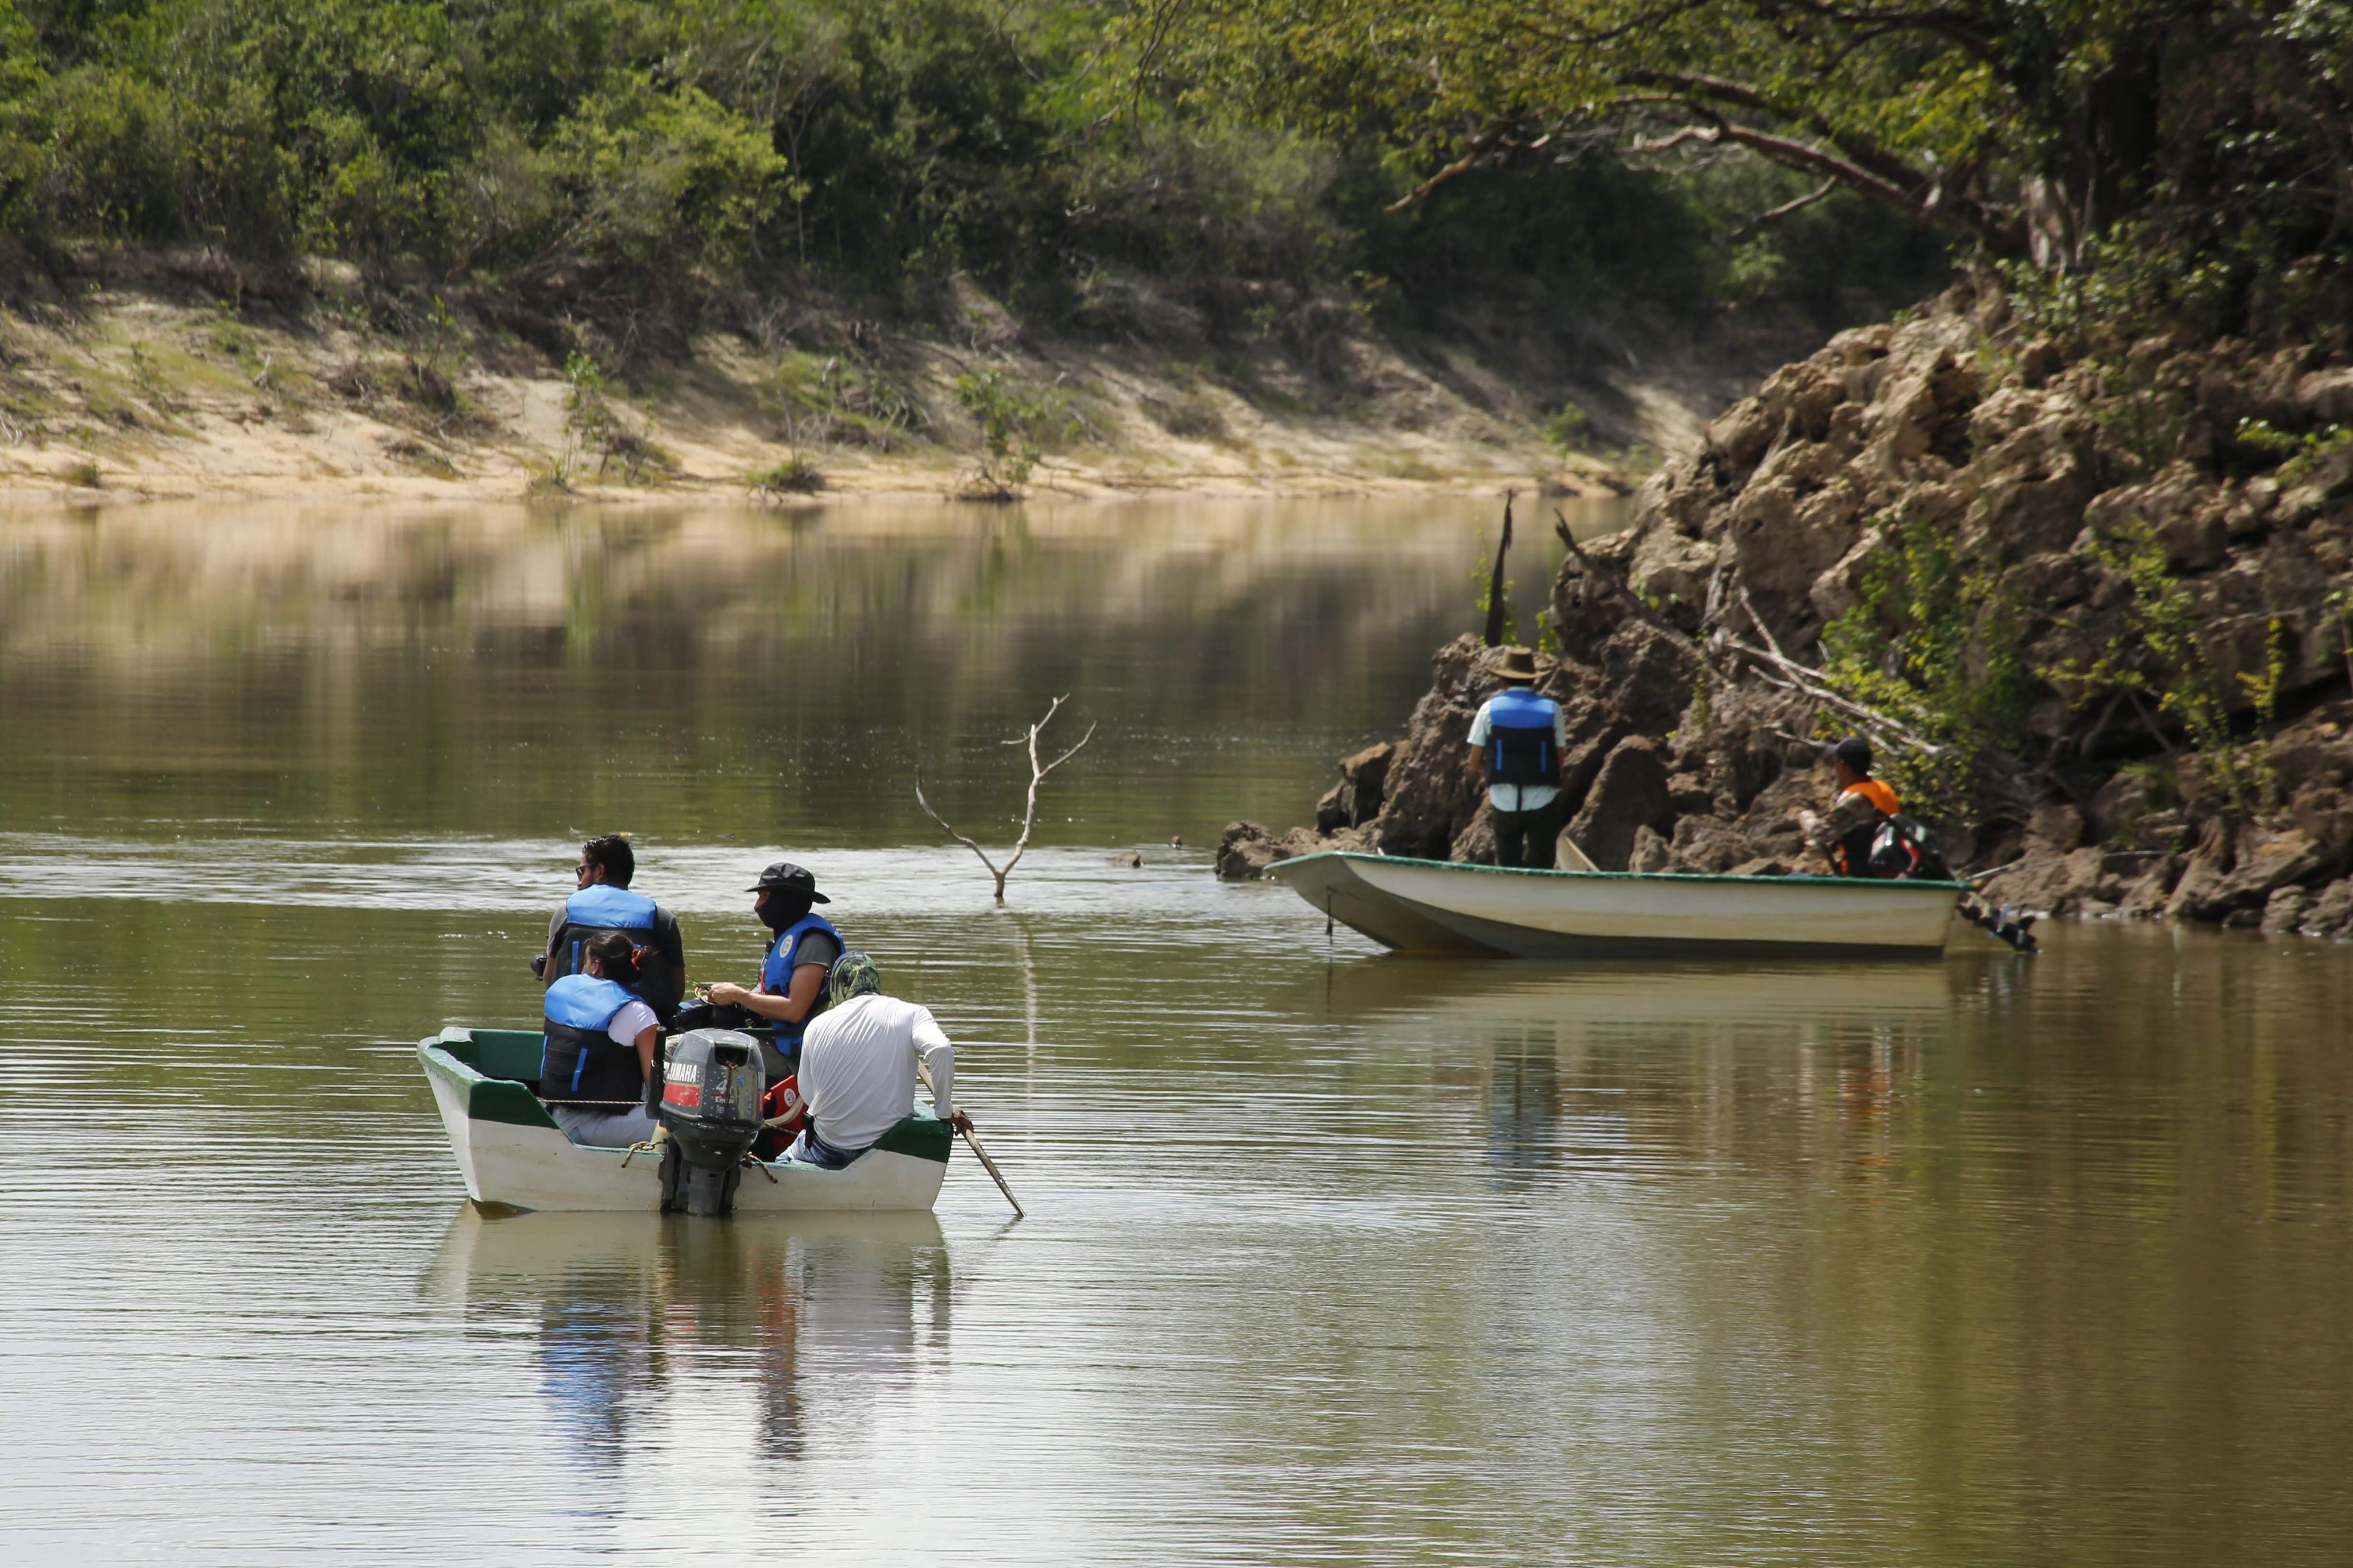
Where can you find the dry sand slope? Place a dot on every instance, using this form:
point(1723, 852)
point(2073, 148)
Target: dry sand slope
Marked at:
point(150, 381)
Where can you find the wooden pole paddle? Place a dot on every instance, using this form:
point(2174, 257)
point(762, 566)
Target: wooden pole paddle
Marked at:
point(923, 1071)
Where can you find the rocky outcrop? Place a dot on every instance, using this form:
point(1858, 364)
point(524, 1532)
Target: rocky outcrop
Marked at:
point(1356, 799)
point(1628, 797)
point(1630, 791)
point(2044, 466)
point(1244, 851)
point(1246, 848)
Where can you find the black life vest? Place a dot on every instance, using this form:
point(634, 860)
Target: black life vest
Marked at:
point(601, 907)
point(1521, 746)
point(579, 1060)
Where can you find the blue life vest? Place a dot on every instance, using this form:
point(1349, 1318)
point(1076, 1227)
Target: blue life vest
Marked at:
point(777, 971)
point(1521, 746)
point(599, 907)
point(579, 1060)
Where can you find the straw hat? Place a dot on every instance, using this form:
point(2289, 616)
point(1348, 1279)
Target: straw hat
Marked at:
point(1515, 663)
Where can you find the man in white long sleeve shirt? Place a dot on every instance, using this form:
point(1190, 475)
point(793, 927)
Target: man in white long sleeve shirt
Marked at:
point(857, 1065)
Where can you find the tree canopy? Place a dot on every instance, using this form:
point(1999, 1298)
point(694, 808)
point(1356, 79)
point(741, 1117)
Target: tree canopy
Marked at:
point(616, 158)
point(2029, 126)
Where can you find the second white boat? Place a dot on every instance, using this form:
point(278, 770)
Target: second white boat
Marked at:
point(1440, 906)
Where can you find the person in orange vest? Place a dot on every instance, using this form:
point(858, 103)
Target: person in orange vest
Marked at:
point(1844, 835)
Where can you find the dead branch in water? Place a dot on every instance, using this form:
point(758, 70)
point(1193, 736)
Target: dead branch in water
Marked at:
point(1498, 592)
point(1038, 771)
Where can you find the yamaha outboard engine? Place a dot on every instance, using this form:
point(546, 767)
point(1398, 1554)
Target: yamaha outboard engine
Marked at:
point(712, 1084)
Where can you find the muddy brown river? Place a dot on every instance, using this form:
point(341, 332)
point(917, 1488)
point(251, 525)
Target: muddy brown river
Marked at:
point(1332, 1256)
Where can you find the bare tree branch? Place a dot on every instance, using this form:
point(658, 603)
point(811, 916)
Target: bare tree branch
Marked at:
point(1038, 771)
point(1769, 663)
point(1786, 150)
point(1858, 164)
point(1490, 135)
point(1812, 682)
point(1776, 213)
point(1791, 675)
point(1859, 149)
point(959, 837)
point(1635, 601)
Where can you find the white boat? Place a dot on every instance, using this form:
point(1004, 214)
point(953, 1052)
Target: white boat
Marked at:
point(512, 1154)
point(1442, 906)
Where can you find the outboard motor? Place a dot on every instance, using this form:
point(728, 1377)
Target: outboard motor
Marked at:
point(729, 1015)
point(711, 1085)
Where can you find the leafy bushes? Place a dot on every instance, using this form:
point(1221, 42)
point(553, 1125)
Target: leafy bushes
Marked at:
point(1013, 429)
point(1931, 643)
point(609, 158)
point(2161, 652)
point(636, 186)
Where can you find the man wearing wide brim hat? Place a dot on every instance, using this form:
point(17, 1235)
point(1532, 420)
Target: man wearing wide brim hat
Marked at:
point(1518, 740)
point(793, 970)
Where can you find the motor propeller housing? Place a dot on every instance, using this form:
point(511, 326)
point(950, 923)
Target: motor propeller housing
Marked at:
point(713, 1081)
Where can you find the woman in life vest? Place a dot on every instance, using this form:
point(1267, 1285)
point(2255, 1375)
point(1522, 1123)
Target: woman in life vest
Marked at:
point(601, 1038)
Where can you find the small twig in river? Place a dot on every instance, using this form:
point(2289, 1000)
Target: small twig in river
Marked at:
point(1038, 771)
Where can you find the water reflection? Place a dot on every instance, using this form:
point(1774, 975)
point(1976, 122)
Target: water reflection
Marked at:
point(1577, 1063)
point(696, 673)
point(750, 1339)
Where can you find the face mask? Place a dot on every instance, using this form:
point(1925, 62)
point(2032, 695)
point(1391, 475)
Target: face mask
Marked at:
point(782, 911)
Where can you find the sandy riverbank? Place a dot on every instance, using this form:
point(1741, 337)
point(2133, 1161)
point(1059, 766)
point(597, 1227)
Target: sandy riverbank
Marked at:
point(147, 384)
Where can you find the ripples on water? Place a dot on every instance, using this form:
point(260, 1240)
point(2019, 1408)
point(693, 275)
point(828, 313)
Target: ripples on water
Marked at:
point(1332, 1258)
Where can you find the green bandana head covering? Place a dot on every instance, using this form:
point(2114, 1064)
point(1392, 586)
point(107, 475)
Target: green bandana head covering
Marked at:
point(853, 975)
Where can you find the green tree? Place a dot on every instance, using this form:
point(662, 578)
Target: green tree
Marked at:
point(2029, 125)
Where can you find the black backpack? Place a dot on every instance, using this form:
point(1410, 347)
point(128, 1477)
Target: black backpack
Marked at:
point(1905, 850)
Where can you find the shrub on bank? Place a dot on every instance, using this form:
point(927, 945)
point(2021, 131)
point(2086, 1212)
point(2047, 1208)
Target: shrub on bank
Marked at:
point(608, 158)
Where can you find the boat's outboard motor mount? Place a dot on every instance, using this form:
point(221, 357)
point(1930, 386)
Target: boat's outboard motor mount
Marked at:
point(730, 1015)
point(711, 1085)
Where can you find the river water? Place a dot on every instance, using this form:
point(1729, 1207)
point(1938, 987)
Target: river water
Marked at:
point(1332, 1256)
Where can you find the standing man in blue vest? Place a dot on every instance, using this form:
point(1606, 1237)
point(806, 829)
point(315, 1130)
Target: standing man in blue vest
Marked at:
point(793, 970)
point(604, 903)
point(1518, 738)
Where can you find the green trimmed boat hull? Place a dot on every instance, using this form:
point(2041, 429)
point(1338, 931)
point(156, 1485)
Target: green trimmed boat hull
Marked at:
point(512, 1156)
point(1437, 906)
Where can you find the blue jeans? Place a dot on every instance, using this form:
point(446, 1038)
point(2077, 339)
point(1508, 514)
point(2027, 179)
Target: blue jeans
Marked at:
point(809, 1149)
point(603, 1128)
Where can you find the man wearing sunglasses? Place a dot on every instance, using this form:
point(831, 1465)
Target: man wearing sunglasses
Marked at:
point(604, 903)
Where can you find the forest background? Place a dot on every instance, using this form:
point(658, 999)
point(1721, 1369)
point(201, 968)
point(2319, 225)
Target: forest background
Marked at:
point(610, 181)
point(638, 159)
